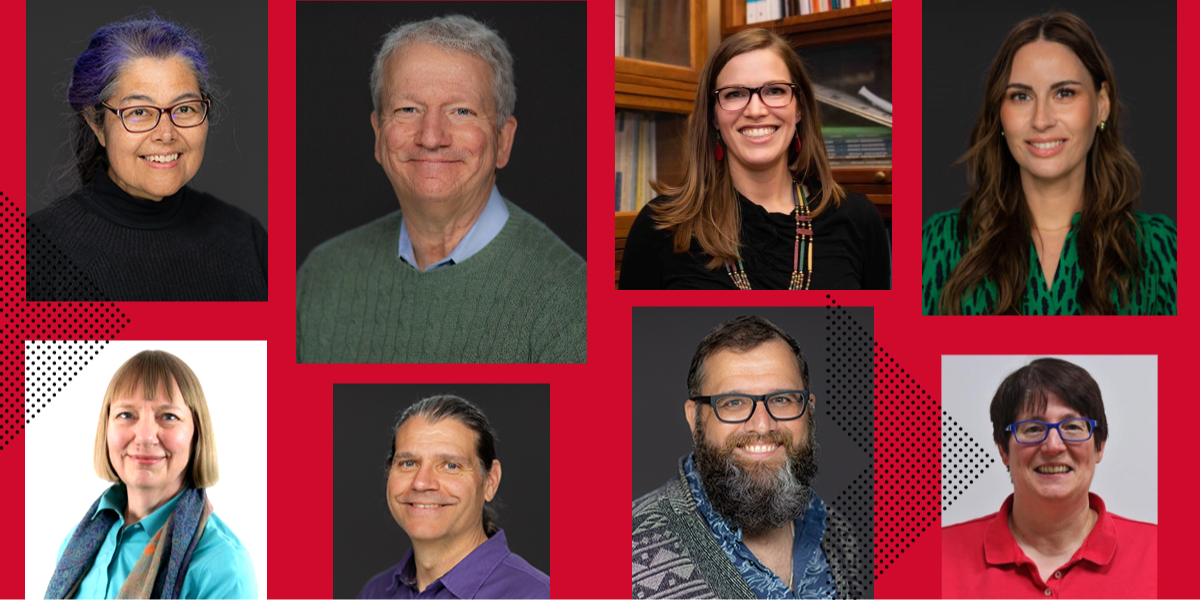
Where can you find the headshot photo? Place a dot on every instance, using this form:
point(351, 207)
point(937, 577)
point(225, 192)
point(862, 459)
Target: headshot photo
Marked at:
point(135, 503)
point(441, 491)
point(1068, 507)
point(736, 493)
point(1048, 188)
point(146, 145)
point(757, 189)
point(442, 217)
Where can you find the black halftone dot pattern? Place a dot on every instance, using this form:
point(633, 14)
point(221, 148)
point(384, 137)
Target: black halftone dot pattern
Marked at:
point(907, 452)
point(96, 321)
point(51, 275)
point(50, 366)
point(963, 460)
point(849, 403)
point(851, 538)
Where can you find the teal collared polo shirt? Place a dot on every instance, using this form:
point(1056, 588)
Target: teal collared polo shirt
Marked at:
point(220, 568)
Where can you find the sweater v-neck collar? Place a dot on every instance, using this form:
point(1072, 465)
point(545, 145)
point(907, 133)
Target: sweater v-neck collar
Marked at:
point(106, 199)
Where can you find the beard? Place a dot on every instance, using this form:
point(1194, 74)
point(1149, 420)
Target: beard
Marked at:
point(758, 496)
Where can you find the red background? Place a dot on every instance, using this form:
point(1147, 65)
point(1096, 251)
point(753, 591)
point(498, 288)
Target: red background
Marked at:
point(590, 415)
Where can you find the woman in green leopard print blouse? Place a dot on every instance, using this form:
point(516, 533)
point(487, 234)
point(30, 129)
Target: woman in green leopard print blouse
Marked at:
point(1049, 226)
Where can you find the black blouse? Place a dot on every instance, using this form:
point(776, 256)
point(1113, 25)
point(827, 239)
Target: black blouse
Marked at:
point(851, 250)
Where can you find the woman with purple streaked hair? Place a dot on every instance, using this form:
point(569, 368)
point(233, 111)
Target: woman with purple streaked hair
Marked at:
point(142, 97)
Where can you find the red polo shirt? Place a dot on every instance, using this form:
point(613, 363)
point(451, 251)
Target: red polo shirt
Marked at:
point(1119, 559)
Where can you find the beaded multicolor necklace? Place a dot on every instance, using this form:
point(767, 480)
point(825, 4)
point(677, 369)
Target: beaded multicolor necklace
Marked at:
point(801, 254)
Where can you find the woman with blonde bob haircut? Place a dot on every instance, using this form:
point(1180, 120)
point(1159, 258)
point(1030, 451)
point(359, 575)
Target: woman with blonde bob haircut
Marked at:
point(153, 534)
point(758, 207)
point(1050, 226)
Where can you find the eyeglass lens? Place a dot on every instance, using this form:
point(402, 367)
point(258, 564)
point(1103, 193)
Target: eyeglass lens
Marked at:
point(145, 118)
point(739, 408)
point(776, 95)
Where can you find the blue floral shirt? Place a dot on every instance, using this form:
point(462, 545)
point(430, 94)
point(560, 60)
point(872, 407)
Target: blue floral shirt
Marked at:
point(809, 566)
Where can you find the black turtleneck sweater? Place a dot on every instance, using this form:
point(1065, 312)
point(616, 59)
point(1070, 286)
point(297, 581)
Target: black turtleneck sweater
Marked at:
point(100, 243)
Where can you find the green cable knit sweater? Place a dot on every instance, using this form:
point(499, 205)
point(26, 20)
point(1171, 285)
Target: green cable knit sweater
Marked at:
point(521, 299)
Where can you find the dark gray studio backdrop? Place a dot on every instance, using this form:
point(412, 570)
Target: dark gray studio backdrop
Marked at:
point(664, 339)
point(959, 41)
point(235, 156)
point(339, 186)
point(366, 539)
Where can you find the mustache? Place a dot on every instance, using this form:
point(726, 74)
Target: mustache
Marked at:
point(772, 437)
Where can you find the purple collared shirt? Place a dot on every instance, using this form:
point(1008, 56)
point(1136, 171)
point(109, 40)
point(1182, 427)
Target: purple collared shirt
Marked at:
point(489, 571)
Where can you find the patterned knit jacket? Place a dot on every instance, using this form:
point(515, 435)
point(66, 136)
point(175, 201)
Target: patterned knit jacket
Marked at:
point(676, 556)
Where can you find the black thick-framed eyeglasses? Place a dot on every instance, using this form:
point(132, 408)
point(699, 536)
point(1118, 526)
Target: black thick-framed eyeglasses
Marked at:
point(140, 119)
point(787, 405)
point(736, 97)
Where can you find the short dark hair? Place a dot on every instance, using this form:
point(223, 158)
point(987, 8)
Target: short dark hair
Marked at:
point(1029, 388)
point(436, 408)
point(742, 334)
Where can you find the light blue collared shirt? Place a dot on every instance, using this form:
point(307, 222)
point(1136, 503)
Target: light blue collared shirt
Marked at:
point(220, 568)
point(485, 229)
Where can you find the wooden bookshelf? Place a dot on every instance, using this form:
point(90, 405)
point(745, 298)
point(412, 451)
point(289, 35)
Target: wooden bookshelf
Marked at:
point(846, 24)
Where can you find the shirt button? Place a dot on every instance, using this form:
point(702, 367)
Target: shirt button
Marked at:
point(1048, 591)
point(1058, 574)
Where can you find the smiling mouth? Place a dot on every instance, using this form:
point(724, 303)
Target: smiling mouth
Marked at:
point(759, 448)
point(758, 132)
point(1047, 145)
point(1053, 470)
point(161, 158)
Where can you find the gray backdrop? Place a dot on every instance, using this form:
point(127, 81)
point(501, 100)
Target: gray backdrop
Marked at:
point(339, 186)
point(235, 158)
point(956, 58)
point(366, 539)
point(664, 340)
point(1127, 476)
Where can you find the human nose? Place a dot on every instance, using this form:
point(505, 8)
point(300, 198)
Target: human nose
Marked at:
point(1044, 116)
point(425, 479)
point(1053, 443)
point(755, 105)
point(147, 430)
point(433, 131)
point(165, 129)
point(761, 419)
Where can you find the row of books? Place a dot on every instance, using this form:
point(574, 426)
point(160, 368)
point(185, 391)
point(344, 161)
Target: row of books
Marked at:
point(636, 164)
point(846, 145)
point(758, 11)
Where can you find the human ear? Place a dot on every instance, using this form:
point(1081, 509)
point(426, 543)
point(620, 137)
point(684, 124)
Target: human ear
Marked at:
point(375, 126)
point(1104, 102)
point(689, 413)
point(493, 481)
point(505, 141)
point(96, 129)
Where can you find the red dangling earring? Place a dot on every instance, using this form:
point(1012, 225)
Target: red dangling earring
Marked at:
point(796, 145)
point(720, 152)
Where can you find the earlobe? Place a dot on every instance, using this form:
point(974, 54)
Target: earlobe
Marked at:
point(1105, 105)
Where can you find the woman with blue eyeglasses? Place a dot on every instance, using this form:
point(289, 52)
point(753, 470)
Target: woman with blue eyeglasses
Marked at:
point(1052, 536)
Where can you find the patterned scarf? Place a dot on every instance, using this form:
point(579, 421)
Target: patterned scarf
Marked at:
point(159, 572)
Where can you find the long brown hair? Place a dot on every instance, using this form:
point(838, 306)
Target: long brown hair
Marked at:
point(705, 205)
point(993, 223)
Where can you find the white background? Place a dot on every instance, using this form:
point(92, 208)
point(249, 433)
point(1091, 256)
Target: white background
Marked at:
point(60, 483)
point(1126, 478)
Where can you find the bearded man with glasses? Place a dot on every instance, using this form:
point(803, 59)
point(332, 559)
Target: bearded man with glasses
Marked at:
point(741, 520)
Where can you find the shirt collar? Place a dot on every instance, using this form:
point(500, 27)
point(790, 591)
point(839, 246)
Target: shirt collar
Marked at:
point(464, 579)
point(1000, 547)
point(491, 220)
point(116, 499)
